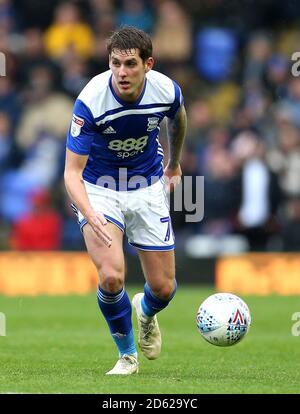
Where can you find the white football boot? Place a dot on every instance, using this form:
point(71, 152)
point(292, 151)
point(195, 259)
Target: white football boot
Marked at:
point(149, 337)
point(126, 365)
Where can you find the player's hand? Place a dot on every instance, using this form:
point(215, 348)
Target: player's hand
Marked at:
point(98, 222)
point(173, 177)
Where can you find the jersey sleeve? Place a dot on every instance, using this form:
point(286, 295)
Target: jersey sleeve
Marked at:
point(178, 101)
point(82, 129)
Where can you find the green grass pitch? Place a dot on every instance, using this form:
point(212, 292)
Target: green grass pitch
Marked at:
point(62, 345)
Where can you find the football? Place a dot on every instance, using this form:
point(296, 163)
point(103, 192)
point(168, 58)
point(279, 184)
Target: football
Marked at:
point(223, 319)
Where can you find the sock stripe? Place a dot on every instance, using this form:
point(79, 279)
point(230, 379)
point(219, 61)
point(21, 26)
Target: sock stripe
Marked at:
point(108, 298)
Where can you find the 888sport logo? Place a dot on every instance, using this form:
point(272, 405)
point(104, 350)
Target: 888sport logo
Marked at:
point(129, 147)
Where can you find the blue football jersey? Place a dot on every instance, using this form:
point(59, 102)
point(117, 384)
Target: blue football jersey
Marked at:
point(121, 138)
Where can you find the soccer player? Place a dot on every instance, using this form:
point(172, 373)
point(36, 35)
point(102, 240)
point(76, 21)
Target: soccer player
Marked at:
point(115, 178)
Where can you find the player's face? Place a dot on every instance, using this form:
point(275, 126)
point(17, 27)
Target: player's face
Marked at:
point(128, 73)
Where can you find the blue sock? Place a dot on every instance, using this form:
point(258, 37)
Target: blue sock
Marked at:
point(116, 309)
point(151, 304)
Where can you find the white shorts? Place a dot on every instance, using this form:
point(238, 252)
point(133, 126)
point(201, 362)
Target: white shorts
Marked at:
point(143, 214)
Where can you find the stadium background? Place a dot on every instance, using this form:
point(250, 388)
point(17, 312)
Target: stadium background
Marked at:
point(233, 62)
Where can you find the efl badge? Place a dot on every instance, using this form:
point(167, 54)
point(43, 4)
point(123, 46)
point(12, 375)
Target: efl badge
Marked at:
point(77, 124)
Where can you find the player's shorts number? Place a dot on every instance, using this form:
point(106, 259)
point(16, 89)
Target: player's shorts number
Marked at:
point(129, 144)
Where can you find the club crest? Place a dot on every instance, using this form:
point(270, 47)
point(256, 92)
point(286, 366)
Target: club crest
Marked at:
point(152, 123)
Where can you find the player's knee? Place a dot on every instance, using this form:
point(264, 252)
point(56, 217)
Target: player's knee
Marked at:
point(112, 284)
point(165, 291)
point(112, 279)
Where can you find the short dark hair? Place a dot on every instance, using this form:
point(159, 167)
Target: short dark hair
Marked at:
point(129, 37)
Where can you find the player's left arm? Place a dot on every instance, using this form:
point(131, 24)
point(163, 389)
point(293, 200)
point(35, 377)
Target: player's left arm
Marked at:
point(176, 129)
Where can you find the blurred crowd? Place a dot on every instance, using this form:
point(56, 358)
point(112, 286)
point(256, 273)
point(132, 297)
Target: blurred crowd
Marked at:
point(233, 62)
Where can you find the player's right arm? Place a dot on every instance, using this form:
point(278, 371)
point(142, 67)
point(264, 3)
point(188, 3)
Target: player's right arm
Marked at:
point(74, 166)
